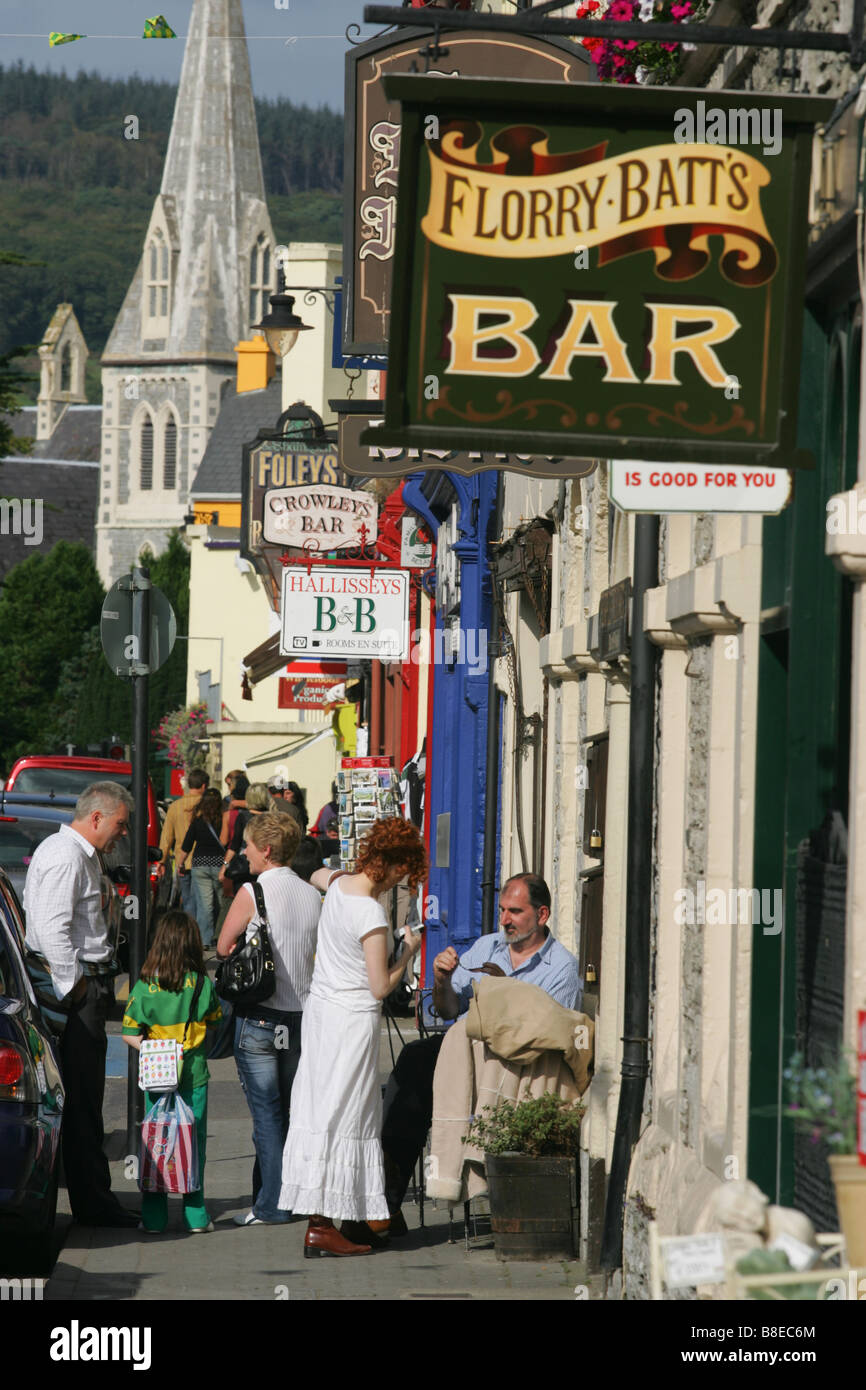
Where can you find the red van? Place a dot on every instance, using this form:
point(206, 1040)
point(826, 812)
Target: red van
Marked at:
point(62, 776)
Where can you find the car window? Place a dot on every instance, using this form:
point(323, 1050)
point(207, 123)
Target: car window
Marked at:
point(11, 975)
point(19, 837)
point(64, 781)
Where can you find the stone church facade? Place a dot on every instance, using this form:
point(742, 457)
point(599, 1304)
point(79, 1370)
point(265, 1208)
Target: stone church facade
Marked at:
point(206, 270)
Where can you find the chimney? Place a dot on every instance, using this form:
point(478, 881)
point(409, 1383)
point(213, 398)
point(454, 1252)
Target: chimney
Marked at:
point(256, 364)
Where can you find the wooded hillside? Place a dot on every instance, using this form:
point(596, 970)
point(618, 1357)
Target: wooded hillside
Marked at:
point(76, 194)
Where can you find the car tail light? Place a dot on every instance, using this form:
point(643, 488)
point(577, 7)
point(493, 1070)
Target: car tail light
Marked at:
point(17, 1077)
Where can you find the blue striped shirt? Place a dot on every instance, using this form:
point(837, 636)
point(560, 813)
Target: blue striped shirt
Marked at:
point(552, 967)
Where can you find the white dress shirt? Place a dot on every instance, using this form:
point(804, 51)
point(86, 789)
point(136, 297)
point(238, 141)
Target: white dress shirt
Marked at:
point(63, 905)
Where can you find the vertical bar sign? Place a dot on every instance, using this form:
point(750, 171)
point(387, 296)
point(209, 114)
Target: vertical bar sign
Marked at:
point(861, 1086)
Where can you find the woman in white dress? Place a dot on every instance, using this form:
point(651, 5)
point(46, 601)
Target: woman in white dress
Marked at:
point(332, 1161)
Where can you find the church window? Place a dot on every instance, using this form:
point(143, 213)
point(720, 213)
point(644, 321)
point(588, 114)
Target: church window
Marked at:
point(260, 278)
point(169, 456)
point(66, 368)
point(158, 279)
point(146, 454)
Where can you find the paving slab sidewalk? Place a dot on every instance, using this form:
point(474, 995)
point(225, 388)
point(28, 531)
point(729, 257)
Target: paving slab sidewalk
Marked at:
point(266, 1262)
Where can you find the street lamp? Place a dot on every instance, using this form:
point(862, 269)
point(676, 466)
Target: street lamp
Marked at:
point(282, 325)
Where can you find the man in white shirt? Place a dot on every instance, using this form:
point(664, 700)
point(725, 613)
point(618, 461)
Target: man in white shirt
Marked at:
point(67, 930)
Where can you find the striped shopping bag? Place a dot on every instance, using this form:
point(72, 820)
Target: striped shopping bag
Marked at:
point(169, 1147)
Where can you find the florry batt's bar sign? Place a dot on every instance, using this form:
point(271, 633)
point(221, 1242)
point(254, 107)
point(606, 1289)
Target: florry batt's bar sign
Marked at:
point(581, 277)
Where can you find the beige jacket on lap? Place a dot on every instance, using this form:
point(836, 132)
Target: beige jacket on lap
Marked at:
point(514, 1043)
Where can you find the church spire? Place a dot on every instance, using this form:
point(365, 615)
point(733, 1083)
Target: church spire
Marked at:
point(200, 279)
point(204, 276)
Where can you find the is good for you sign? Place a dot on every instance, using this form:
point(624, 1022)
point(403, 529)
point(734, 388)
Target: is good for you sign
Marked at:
point(580, 275)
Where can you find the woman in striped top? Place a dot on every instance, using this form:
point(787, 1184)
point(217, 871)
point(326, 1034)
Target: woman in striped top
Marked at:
point(268, 1036)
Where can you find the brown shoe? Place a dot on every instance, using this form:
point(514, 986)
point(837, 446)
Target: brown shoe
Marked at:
point(322, 1238)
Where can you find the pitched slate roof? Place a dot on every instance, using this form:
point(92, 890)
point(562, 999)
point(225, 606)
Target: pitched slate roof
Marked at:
point(240, 419)
point(68, 493)
point(77, 436)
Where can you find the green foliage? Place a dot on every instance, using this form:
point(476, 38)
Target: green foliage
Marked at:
point(822, 1101)
point(114, 222)
point(12, 384)
point(48, 604)
point(92, 703)
point(545, 1127)
point(78, 195)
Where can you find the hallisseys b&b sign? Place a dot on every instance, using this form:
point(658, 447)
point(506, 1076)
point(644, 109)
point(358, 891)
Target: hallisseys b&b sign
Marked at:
point(582, 275)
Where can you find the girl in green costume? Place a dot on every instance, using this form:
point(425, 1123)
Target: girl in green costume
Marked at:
point(159, 1007)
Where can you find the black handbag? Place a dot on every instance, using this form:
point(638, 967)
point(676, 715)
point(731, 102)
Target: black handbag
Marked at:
point(248, 975)
point(238, 871)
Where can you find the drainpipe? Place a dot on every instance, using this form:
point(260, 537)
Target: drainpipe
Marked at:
point(491, 804)
point(635, 1053)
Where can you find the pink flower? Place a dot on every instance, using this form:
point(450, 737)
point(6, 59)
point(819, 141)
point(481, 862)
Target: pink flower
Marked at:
point(621, 9)
point(680, 11)
point(669, 47)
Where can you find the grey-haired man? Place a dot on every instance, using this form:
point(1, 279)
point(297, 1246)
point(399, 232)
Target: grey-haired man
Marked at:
point(68, 932)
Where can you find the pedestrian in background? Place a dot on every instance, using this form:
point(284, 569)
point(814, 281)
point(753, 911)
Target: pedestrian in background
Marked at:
point(203, 840)
point(257, 800)
point(230, 779)
point(268, 1035)
point(236, 804)
point(307, 858)
point(177, 823)
point(159, 1007)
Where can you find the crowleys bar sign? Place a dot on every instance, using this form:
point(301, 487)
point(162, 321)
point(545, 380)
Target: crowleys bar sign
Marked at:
point(582, 279)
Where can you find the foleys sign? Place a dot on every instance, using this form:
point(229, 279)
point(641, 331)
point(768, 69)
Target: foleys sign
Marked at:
point(345, 612)
point(584, 279)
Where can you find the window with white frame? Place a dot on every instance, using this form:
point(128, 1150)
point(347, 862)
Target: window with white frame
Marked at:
point(260, 278)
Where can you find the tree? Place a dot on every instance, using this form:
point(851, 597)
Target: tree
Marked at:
point(48, 605)
point(91, 702)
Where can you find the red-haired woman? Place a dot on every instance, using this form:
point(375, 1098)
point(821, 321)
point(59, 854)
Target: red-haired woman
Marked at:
point(332, 1162)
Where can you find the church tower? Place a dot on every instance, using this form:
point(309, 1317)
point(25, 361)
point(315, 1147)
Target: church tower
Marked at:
point(62, 360)
point(204, 276)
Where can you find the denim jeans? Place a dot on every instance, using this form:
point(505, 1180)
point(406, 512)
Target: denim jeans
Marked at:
point(267, 1053)
point(206, 896)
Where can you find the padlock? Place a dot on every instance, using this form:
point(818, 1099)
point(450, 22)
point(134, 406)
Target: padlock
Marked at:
point(595, 839)
point(591, 976)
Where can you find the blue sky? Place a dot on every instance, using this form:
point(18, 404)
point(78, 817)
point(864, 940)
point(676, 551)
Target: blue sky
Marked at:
point(310, 70)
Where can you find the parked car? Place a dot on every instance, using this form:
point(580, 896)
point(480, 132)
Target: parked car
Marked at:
point(31, 1095)
point(55, 776)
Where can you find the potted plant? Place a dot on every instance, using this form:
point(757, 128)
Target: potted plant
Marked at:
point(823, 1102)
point(530, 1154)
